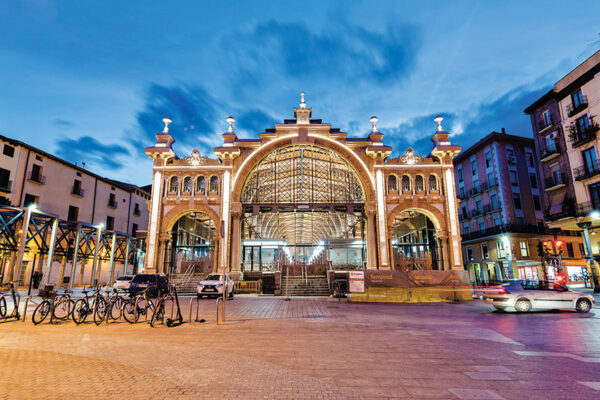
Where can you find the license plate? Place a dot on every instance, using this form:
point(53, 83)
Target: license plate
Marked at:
point(210, 290)
point(143, 285)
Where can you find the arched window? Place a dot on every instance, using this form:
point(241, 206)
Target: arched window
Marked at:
point(433, 186)
point(214, 184)
point(419, 184)
point(200, 185)
point(187, 184)
point(392, 183)
point(173, 184)
point(405, 183)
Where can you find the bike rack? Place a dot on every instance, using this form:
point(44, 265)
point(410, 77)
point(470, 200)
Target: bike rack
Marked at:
point(26, 304)
point(197, 301)
point(217, 304)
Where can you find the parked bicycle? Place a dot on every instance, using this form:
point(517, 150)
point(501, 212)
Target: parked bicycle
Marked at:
point(14, 296)
point(63, 305)
point(115, 304)
point(137, 305)
point(46, 307)
point(94, 305)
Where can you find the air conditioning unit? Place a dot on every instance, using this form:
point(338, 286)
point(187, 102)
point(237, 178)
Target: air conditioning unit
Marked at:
point(553, 135)
point(512, 160)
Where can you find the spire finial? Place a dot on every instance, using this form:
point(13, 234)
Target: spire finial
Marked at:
point(230, 121)
point(302, 103)
point(439, 120)
point(374, 120)
point(166, 121)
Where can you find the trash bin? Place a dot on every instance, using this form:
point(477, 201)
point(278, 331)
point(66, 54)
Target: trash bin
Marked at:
point(37, 278)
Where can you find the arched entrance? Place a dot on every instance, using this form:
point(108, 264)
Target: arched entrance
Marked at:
point(302, 205)
point(415, 242)
point(192, 244)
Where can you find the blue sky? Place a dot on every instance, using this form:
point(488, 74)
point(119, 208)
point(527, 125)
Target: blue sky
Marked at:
point(91, 80)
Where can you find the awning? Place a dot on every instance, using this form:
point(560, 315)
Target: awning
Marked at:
point(556, 202)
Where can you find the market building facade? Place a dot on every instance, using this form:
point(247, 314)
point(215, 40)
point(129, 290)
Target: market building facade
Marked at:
point(302, 195)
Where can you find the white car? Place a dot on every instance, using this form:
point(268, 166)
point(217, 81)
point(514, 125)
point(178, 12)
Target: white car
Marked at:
point(525, 296)
point(212, 286)
point(123, 283)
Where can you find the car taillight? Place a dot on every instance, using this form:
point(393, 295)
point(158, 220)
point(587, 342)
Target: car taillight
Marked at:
point(503, 291)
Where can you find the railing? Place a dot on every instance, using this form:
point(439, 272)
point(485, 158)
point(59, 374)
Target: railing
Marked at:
point(490, 184)
point(543, 124)
point(555, 180)
point(463, 216)
point(77, 190)
point(573, 109)
point(137, 212)
point(569, 210)
point(550, 149)
point(586, 171)
point(37, 178)
point(6, 188)
point(488, 208)
point(476, 212)
point(475, 190)
point(112, 203)
point(462, 196)
point(506, 228)
point(579, 136)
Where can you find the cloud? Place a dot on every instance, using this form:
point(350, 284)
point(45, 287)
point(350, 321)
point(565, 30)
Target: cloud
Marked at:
point(344, 52)
point(63, 124)
point(253, 122)
point(89, 150)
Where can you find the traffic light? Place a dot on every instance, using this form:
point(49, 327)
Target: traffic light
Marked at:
point(548, 251)
point(558, 245)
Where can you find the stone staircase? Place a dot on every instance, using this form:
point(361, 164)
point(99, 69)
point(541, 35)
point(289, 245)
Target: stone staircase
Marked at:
point(309, 286)
point(187, 283)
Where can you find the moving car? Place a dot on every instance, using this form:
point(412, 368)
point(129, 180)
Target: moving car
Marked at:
point(123, 283)
point(212, 286)
point(157, 283)
point(525, 296)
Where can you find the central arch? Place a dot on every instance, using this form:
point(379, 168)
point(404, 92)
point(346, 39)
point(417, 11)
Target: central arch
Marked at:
point(303, 204)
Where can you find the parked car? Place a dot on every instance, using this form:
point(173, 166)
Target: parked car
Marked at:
point(212, 286)
point(123, 283)
point(525, 296)
point(157, 283)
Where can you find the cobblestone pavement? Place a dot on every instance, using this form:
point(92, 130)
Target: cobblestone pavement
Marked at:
point(311, 348)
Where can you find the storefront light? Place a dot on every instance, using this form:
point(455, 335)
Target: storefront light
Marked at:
point(595, 214)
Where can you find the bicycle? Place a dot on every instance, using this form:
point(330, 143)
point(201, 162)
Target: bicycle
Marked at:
point(115, 305)
point(15, 300)
point(137, 305)
point(95, 305)
point(63, 305)
point(46, 307)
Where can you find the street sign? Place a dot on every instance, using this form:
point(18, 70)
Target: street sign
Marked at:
point(555, 262)
point(357, 281)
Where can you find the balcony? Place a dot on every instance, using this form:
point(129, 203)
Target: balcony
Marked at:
point(77, 191)
point(462, 196)
point(137, 212)
point(37, 178)
point(476, 212)
point(6, 186)
point(492, 207)
point(573, 109)
point(112, 204)
point(551, 151)
point(555, 182)
point(586, 171)
point(475, 190)
point(579, 136)
point(506, 228)
point(490, 184)
point(544, 125)
point(463, 216)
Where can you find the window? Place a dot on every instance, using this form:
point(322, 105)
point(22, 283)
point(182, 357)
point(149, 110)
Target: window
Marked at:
point(5, 179)
point(187, 184)
point(73, 213)
point(392, 183)
point(36, 173)
point(405, 183)
point(39, 158)
point(481, 223)
point(29, 200)
point(529, 158)
point(462, 192)
point(77, 188)
point(134, 229)
point(509, 153)
point(173, 184)
point(136, 209)
point(590, 164)
point(582, 123)
point(464, 211)
point(200, 185)
point(540, 225)
point(577, 99)
point(547, 118)
point(513, 178)
point(478, 205)
point(466, 228)
point(536, 203)
point(517, 201)
point(595, 194)
point(524, 249)
point(491, 179)
point(433, 183)
point(570, 251)
point(112, 200)
point(497, 220)
point(485, 253)
point(110, 223)
point(459, 172)
point(500, 248)
point(474, 167)
point(488, 159)
point(8, 150)
point(470, 253)
point(520, 221)
point(419, 185)
point(550, 143)
point(494, 201)
point(78, 174)
point(533, 181)
point(214, 184)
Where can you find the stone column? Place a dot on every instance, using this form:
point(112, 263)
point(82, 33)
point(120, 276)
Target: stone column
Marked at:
point(371, 237)
point(163, 239)
point(154, 223)
point(588, 255)
point(236, 241)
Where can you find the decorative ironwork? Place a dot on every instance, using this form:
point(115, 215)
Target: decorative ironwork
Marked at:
point(303, 174)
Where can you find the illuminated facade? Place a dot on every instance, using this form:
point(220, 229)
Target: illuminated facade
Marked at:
point(303, 194)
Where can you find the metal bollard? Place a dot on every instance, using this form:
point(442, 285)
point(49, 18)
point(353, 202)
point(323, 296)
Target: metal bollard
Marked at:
point(194, 299)
point(26, 304)
point(217, 304)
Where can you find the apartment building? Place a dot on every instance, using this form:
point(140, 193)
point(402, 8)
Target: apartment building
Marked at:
point(29, 175)
point(572, 183)
point(501, 212)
